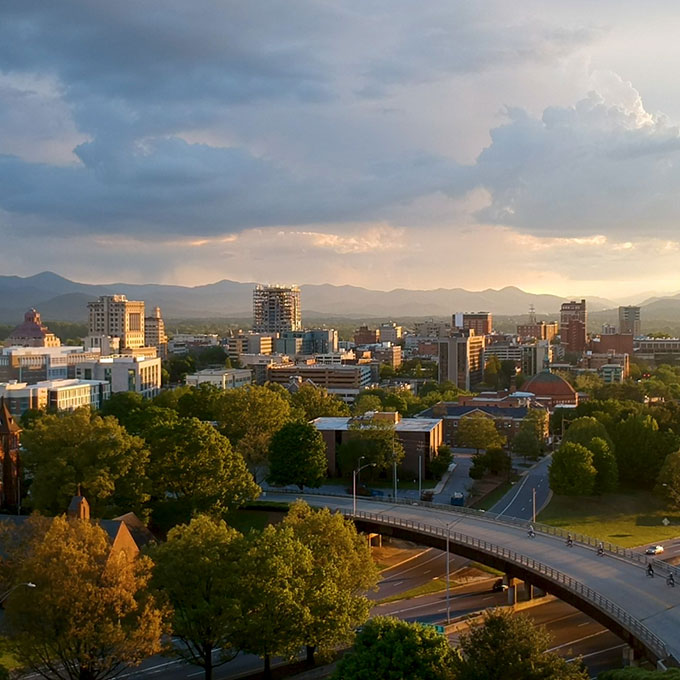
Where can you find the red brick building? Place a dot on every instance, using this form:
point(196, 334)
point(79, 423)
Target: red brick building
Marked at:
point(10, 438)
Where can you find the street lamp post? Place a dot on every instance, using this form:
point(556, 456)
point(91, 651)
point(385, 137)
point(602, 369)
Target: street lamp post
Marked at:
point(28, 584)
point(354, 484)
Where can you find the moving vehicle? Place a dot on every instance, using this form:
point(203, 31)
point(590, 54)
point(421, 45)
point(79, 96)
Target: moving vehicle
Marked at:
point(498, 586)
point(654, 550)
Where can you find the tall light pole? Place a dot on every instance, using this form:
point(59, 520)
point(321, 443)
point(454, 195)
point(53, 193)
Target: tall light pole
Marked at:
point(533, 500)
point(354, 484)
point(420, 476)
point(448, 573)
point(28, 584)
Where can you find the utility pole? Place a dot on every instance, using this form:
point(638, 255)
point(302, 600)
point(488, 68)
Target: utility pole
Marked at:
point(533, 499)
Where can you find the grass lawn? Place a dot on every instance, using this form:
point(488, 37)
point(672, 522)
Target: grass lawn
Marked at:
point(492, 498)
point(436, 585)
point(627, 519)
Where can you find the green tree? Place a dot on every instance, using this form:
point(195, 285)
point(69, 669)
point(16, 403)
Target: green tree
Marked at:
point(194, 468)
point(584, 429)
point(436, 467)
point(668, 481)
point(492, 372)
point(367, 402)
point(178, 367)
point(123, 406)
point(274, 573)
point(170, 398)
point(604, 462)
point(641, 449)
point(211, 356)
point(297, 455)
point(526, 445)
point(76, 448)
point(248, 417)
point(195, 570)
point(572, 472)
point(315, 402)
point(200, 402)
point(511, 646)
point(373, 439)
point(89, 618)
point(497, 461)
point(536, 422)
point(478, 431)
point(390, 649)
point(342, 571)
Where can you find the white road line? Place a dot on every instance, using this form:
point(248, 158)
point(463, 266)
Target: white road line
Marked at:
point(408, 559)
point(573, 642)
point(585, 623)
point(521, 486)
point(599, 651)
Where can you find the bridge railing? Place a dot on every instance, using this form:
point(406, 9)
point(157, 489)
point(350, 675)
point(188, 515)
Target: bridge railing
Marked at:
point(652, 641)
point(582, 539)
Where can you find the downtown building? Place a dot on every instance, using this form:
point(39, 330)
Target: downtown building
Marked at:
point(276, 309)
point(573, 322)
point(461, 359)
point(479, 322)
point(114, 316)
point(629, 321)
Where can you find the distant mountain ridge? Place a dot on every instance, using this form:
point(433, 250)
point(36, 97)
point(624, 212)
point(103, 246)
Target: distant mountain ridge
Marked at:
point(58, 298)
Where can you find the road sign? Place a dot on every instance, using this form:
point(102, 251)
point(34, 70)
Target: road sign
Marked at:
point(665, 521)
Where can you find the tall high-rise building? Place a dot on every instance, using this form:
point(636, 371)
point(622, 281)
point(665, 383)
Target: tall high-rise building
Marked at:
point(461, 359)
point(154, 333)
point(629, 321)
point(116, 316)
point(573, 320)
point(480, 322)
point(276, 309)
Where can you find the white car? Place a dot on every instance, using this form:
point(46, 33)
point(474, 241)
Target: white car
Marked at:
point(654, 550)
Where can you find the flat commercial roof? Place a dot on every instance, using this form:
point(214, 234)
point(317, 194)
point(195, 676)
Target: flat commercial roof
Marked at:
point(404, 425)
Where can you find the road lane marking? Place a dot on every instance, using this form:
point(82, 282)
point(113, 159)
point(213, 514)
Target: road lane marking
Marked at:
point(408, 559)
point(573, 642)
point(585, 623)
point(599, 651)
point(514, 498)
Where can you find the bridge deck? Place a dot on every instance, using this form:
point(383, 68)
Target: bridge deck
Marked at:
point(622, 581)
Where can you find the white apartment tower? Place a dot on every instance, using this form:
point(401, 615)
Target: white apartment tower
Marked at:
point(154, 333)
point(116, 316)
point(276, 309)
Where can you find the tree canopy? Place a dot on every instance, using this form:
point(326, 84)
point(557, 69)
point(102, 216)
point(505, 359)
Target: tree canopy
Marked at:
point(195, 569)
point(572, 472)
point(297, 455)
point(90, 617)
point(342, 571)
point(478, 431)
point(510, 646)
point(81, 448)
point(315, 402)
point(373, 439)
point(391, 649)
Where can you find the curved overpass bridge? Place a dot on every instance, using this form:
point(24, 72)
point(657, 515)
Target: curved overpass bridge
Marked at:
point(613, 589)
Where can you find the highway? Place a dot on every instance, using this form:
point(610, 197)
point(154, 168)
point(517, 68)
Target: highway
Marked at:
point(621, 581)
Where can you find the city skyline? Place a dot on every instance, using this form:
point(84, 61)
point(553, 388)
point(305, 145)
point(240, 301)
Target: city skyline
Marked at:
point(178, 145)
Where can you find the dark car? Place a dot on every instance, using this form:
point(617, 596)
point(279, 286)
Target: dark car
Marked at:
point(498, 586)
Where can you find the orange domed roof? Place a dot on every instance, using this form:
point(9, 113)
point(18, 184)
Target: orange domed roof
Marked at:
point(547, 384)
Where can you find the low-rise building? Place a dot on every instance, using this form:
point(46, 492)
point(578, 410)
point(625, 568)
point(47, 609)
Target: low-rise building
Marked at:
point(181, 343)
point(32, 364)
point(420, 437)
point(56, 395)
point(223, 378)
point(344, 381)
point(32, 333)
point(124, 373)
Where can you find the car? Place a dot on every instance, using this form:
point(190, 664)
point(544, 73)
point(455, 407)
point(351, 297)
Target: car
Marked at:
point(654, 550)
point(498, 586)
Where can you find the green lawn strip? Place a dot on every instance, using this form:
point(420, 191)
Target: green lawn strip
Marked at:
point(627, 519)
point(436, 585)
point(488, 501)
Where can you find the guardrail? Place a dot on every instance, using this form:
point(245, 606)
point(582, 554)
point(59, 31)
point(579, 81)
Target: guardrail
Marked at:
point(628, 622)
point(582, 539)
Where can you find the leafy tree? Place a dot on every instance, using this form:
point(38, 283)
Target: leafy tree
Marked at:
point(391, 649)
point(170, 398)
point(572, 472)
point(387, 371)
point(194, 568)
point(536, 422)
point(478, 431)
point(641, 449)
point(668, 481)
point(342, 571)
point(373, 439)
point(510, 646)
point(80, 448)
point(436, 467)
point(367, 402)
point(249, 416)
point(315, 402)
point(87, 619)
point(604, 461)
point(297, 455)
point(178, 367)
point(274, 573)
point(492, 371)
point(194, 468)
point(211, 356)
point(497, 461)
point(526, 444)
point(584, 429)
point(200, 402)
point(121, 405)
point(588, 382)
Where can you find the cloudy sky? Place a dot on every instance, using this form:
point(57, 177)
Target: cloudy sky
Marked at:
point(384, 143)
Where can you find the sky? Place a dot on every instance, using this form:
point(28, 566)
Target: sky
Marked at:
point(382, 143)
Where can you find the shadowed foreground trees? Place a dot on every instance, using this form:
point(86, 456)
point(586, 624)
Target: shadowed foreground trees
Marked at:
point(90, 614)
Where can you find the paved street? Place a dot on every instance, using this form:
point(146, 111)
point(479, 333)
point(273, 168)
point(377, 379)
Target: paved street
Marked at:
point(621, 581)
point(518, 502)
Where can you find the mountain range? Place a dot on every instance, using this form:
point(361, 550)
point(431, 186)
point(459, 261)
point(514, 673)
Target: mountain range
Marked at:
point(60, 299)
